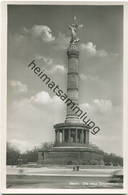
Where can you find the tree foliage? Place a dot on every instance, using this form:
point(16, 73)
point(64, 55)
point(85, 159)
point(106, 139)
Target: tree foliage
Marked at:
point(13, 155)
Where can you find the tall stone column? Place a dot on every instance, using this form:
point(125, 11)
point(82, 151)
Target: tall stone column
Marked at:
point(72, 81)
point(74, 127)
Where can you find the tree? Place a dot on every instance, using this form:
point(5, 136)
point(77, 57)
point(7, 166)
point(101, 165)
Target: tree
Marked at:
point(12, 155)
point(46, 146)
point(30, 156)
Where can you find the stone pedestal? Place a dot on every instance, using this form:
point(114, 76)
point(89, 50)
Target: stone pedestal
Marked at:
point(70, 156)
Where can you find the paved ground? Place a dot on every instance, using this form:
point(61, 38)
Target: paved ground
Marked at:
point(61, 178)
point(58, 171)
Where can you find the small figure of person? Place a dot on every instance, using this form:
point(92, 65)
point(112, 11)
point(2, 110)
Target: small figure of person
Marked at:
point(74, 168)
point(77, 167)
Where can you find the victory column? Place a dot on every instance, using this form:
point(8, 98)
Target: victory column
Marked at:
point(71, 137)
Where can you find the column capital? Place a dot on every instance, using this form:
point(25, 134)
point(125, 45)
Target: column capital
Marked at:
point(73, 53)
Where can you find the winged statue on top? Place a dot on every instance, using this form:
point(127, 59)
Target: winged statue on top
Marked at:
point(74, 31)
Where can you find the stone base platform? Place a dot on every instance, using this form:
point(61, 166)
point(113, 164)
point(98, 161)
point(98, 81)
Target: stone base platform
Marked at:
point(70, 155)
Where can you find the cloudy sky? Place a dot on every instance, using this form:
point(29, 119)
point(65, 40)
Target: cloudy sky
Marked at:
point(41, 33)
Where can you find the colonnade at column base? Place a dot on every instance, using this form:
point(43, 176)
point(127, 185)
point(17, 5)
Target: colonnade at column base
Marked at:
point(71, 147)
point(71, 134)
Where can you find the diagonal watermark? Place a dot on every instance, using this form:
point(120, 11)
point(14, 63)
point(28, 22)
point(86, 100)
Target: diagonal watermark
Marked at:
point(63, 96)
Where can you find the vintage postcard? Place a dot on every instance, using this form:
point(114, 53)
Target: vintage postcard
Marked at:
point(63, 97)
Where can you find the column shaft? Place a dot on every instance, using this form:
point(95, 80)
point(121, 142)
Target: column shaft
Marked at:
point(69, 135)
point(72, 82)
point(58, 136)
point(87, 137)
point(84, 137)
point(75, 135)
point(63, 135)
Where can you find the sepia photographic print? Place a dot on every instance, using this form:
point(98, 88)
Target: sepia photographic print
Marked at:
point(64, 97)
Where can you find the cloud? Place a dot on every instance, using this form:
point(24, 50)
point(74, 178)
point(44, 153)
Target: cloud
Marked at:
point(88, 77)
point(52, 68)
point(58, 69)
point(46, 60)
point(62, 41)
point(98, 106)
point(37, 114)
point(43, 98)
point(42, 31)
point(108, 117)
point(21, 145)
point(42, 101)
point(91, 51)
point(103, 105)
point(18, 86)
point(31, 120)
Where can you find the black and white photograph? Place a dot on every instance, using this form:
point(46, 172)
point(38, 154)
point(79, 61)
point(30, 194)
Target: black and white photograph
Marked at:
point(65, 96)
